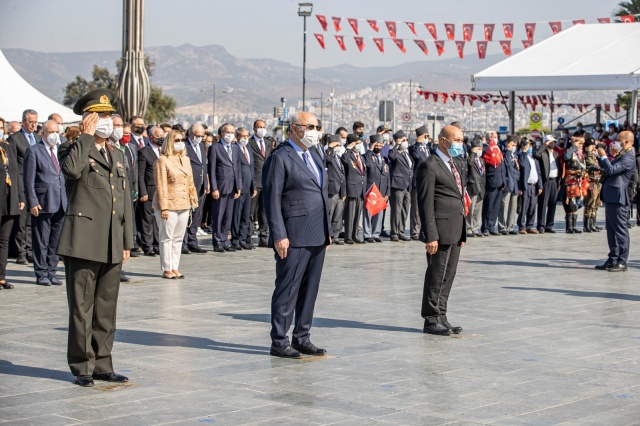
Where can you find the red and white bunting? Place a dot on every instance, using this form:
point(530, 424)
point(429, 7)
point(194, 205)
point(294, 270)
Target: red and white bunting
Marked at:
point(439, 47)
point(488, 31)
point(391, 27)
point(506, 47)
point(556, 27)
point(359, 43)
point(508, 30)
point(373, 24)
point(432, 30)
point(530, 29)
point(340, 40)
point(527, 43)
point(336, 23)
point(323, 21)
point(354, 24)
point(482, 49)
point(412, 27)
point(400, 43)
point(320, 39)
point(604, 20)
point(628, 19)
point(422, 45)
point(379, 44)
point(450, 29)
point(467, 32)
point(460, 47)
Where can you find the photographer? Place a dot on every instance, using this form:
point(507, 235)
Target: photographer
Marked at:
point(592, 199)
point(616, 200)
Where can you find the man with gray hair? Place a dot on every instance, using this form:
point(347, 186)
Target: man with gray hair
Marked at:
point(198, 158)
point(240, 224)
point(22, 140)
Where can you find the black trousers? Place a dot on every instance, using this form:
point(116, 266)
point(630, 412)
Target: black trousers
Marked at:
point(149, 228)
point(617, 216)
point(191, 236)
point(46, 229)
point(23, 232)
point(547, 204)
point(528, 212)
point(206, 210)
point(491, 209)
point(297, 284)
point(441, 271)
point(222, 212)
point(258, 214)
point(241, 223)
point(351, 214)
point(6, 224)
point(92, 294)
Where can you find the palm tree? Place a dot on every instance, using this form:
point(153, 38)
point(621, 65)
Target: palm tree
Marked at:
point(631, 7)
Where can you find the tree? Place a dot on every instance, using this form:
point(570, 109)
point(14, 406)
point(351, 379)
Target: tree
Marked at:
point(631, 7)
point(624, 101)
point(161, 107)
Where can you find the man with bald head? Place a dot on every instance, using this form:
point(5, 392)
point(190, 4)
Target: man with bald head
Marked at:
point(441, 184)
point(198, 157)
point(616, 199)
point(58, 119)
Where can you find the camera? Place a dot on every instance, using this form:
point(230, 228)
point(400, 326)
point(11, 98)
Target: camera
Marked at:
point(601, 145)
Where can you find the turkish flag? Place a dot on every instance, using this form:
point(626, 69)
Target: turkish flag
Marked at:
point(400, 43)
point(604, 20)
point(450, 29)
point(527, 43)
point(467, 32)
point(391, 27)
point(340, 40)
point(422, 45)
point(354, 24)
point(359, 43)
point(616, 108)
point(482, 49)
point(374, 24)
point(467, 203)
point(530, 29)
point(432, 30)
point(379, 43)
point(374, 201)
point(320, 39)
point(508, 30)
point(336, 23)
point(460, 47)
point(412, 27)
point(627, 19)
point(439, 47)
point(488, 31)
point(323, 21)
point(556, 27)
point(506, 47)
point(579, 107)
point(579, 21)
point(444, 97)
point(607, 107)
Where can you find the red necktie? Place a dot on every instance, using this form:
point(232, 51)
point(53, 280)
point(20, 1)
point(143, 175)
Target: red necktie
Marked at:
point(262, 147)
point(55, 160)
point(141, 142)
point(359, 163)
point(246, 154)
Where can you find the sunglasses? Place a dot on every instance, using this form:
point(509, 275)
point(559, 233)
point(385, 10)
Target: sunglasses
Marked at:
point(309, 126)
point(178, 140)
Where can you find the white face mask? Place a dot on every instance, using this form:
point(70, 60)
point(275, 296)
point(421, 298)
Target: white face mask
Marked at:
point(1, 135)
point(178, 146)
point(261, 132)
point(117, 133)
point(197, 139)
point(104, 128)
point(339, 151)
point(243, 142)
point(343, 141)
point(53, 139)
point(310, 138)
point(616, 146)
point(228, 137)
point(359, 148)
point(404, 145)
point(512, 149)
point(385, 137)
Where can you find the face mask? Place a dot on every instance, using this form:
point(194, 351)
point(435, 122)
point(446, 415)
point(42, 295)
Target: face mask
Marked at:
point(228, 137)
point(376, 150)
point(598, 128)
point(456, 149)
point(165, 134)
point(118, 133)
point(385, 137)
point(512, 149)
point(310, 138)
point(616, 146)
point(53, 139)
point(529, 151)
point(104, 128)
point(125, 139)
point(404, 145)
point(138, 130)
point(538, 143)
point(197, 139)
point(359, 134)
point(552, 145)
point(317, 141)
point(1, 134)
point(261, 132)
point(243, 142)
point(343, 141)
point(360, 149)
point(157, 141)
point(178, 146)
point(339, 151)
point(579, 128)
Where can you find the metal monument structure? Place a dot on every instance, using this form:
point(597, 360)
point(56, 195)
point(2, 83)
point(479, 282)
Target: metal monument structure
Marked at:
point(133, 80)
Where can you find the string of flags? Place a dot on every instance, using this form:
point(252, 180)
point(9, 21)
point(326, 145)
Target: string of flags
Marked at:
point(532, 101)
point(449, 32)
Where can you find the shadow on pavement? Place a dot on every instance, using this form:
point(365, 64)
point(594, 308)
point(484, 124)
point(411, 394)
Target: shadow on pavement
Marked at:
point(12, 369)
point(580, 293)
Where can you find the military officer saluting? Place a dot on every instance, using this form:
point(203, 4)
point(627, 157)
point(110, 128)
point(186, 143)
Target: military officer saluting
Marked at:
point(96, 237)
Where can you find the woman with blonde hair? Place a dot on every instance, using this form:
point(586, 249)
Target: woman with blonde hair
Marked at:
point(175, 198)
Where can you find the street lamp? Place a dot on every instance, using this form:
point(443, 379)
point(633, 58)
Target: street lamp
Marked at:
point(321, 99)
point(410, 99)
point(304, 10)
point(213, 103)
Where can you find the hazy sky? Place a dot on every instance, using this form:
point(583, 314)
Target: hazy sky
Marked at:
point(271, 28)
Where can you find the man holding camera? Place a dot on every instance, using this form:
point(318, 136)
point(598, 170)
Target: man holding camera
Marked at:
point(616, 200)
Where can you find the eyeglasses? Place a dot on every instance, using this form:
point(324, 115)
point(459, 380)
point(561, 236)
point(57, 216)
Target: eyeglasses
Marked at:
point(178, 140)
point(309, 126)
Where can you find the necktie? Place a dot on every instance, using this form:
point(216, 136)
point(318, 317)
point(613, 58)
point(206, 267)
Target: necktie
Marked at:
point(198, 153)
point(307, 160)
point(32, 139)
point(454, 170)
point(359, 163)
point(104, 154)
point(228, 148)
point(262, 148)
point(55, 160)
point(246, 154)
point(408, 159)
point(480, 168)
point(141, 142)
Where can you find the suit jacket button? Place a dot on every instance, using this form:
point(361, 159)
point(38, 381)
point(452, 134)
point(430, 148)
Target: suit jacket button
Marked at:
point(114, 199)
point(110, 174)
point(113, 187)
point(79, 214)
point(113, 212)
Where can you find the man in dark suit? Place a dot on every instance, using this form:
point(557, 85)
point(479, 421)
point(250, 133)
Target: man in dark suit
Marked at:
point(509, 205)
point(22, 140)
point(261, 146)
point(496, 182)
point(198, 158)
point(240, 225)
point(147, 158)
point(551, 175)
point(401, 180)
point(337, 187)
point(355, 171)
point(298, 214)
point(225, 181)
point(476, 184)
point(615, 195)
point(137, 132)
point(46, 197)
point(378, 173)
point(95, 241)
point(419, 153)
point(441, 206)
point(530, 187)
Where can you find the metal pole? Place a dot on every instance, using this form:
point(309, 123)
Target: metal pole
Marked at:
point(304, 62)
point(551, 113)
point(634, 107)
point(512, 113)
point(213, 117)
point(332, 95)
point(410, 111)
point(321, 107)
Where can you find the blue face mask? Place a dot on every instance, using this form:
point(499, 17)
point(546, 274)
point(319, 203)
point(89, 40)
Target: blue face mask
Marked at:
point(529, 151)
point(456, 149)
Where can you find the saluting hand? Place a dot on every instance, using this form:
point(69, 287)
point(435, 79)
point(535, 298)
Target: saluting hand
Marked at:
point(432, 247)
point(89, 123)
point(281, 247)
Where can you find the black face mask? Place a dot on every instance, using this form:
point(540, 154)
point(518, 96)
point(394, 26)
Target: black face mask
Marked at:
point(139, 129)
point(359, 134)
point(376, 150)
point(156, 142)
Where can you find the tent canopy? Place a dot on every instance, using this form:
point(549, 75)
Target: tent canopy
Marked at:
point(17, 95)
point(583, 57)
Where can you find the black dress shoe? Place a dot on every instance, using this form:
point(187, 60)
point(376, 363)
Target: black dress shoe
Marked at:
point(377, 240)
point(238, 247)
point(197, 249)
point(496, 233)
point(136, 250)
point(337, 242)
point(263, 244)
point(479, 234)
point(55, 281)
point(6, 286)
point(485, 234)
point(512, 232)
point(415, 237)
point(549, 230)
point(385, 234)
point(185, 250)
point(124, 278)
point(84, 381)
point(454, 328)
point(605, 266)
point(504, 232)
point(309, 348)
point(437, 329)
point(22, 259)
point(394, 238)
point(134, 254)
point(44, 282)
point(219, 249)
point(149, 253)
point(111, 377)
point(359, 241)
point(370, 240)
point(348, 242)
point(29, 258)
point(620, 267)
point(230, 248)
point(541, 231)
point(246, 246)
point(156, 251)
point(285, 352)
point(404, 238)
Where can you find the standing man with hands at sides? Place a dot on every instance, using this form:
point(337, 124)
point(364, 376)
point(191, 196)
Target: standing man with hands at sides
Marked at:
point(378, 173)
point(441, 205)
point(240, 225)
point(551, 176)
point(616, 200)
point(261, 145)
point(147, 157)
point(294, 185)
point(198, 158)
point(96, 238)
point(401, 180)
point(419, 153)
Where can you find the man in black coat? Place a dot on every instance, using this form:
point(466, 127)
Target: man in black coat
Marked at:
point(419, 153)
point(240, 226)
point(496, 182)
point(22, 140)
point(476, 186)
point(147, 157)
point(401, 180)
point(378, 173)
point(530, 187)
point(198, 158)
point(551, 175)
point(441, 206)
point(509, 205)
point(337, 187)
point(261, 146)
point(355, 172)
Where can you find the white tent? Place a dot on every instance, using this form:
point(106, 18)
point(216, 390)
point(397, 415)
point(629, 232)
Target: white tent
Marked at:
point(583, 57)
point(16, 95)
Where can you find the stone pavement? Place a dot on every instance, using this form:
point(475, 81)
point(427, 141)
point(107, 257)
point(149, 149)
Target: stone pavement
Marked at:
point(547, 340)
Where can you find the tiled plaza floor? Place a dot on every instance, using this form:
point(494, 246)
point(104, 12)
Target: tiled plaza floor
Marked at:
point(547, 340)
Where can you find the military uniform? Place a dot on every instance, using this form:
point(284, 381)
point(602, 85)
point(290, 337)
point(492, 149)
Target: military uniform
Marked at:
point(592, 200)
point(96, 231)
